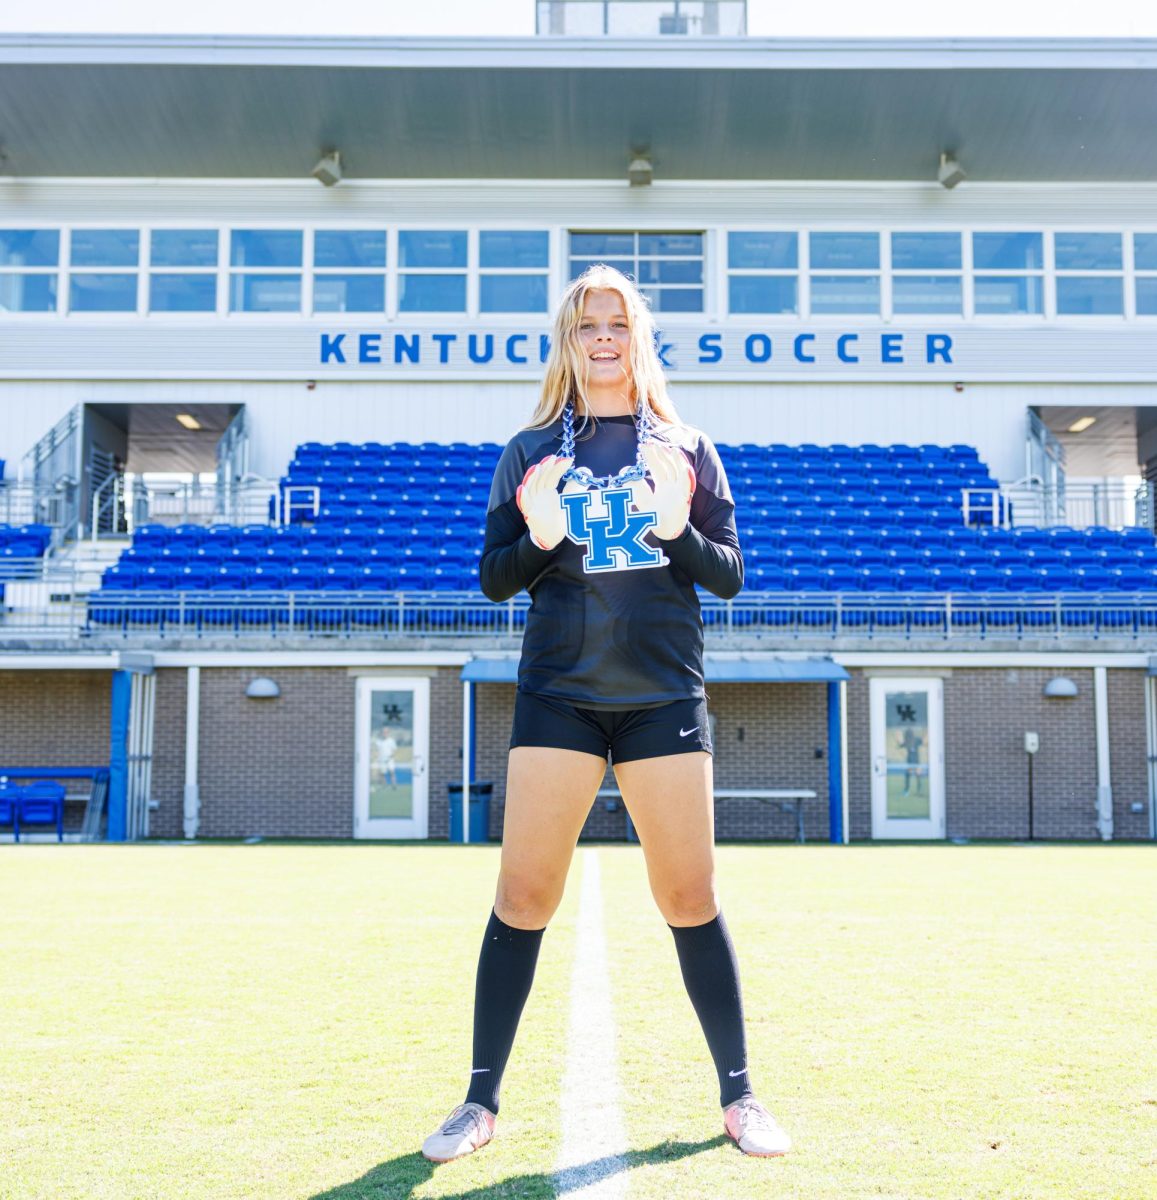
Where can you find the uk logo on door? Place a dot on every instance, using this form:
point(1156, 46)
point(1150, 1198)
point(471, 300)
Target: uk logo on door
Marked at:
point(603, 522)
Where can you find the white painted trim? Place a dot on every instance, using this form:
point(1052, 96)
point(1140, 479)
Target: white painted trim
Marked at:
point(1104, 784)
point(1006, 658)
point(588, 53)
point(934, 827)
point(844, 758)
point(311, 658)
point(934, 659)
point(192, 751)
point(417, 825)
point(467, 687)
point(60, 662)
point(356, 375)
point(1151, 752)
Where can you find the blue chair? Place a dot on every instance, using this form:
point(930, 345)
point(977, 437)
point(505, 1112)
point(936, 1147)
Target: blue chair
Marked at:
point(10, 806)
point(42, 803)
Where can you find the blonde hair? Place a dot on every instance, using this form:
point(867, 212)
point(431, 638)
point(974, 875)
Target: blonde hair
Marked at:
point(567, 363)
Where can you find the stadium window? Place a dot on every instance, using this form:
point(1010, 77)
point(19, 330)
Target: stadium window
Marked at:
point(914, 289)
point(1145, 266)
point(432, 265)
point(668, 267)
point(266, 270)
point(1009, 278)
point(349, 270)
point(513, 271)
point(1086, 294)
point(832, 293)
point(762, 272)
point(194, 287)
point(29, 270)
point(104, 266)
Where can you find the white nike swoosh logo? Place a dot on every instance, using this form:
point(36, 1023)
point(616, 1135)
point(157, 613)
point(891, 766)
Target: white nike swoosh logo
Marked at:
point(734, 1073)
point(480, 1071)
point(685, 732)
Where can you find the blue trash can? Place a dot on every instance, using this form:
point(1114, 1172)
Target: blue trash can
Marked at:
point(479, 811)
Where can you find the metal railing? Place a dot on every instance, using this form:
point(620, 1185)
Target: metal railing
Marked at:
point(1111, 503)
point(39, 504)
point(251, 501)
point(958, 617)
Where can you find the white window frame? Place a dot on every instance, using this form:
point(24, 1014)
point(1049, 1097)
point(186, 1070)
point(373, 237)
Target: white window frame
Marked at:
point(666, 227)
point(58, 270)
point(226, 253)
point(148, 271)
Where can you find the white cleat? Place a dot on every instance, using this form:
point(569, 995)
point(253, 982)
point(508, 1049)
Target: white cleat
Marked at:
point(468, 1128)
point(754, 1129)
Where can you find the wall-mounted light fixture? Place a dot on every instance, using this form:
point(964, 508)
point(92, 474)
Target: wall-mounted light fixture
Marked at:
point(263, 688)
point(1060, 688)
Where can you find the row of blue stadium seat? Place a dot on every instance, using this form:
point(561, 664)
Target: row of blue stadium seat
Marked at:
point(993, 539)
point(24, 541)
point(463, 575)
point(756, 553)
point(376, 532)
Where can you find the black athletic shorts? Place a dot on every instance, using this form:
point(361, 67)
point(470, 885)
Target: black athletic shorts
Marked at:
point(633, 733)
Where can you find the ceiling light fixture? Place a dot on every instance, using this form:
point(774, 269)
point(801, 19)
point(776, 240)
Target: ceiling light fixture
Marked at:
point(951, 172)
point(328, 168)
point(189, 421)
point(1081, 424)
point(640, 172)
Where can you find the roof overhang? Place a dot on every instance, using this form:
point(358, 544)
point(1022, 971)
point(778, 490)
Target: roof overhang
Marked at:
point(716, 669)
point(543, 108)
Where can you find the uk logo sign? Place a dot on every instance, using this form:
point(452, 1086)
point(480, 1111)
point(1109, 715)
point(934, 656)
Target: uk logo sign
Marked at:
point(612, 535)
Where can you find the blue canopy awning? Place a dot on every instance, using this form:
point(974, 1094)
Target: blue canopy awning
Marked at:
point(762, 669)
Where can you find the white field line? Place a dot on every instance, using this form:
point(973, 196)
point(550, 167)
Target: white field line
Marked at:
point(591, 1163)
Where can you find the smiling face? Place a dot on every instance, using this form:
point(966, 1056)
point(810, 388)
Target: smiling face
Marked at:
point(605, 337)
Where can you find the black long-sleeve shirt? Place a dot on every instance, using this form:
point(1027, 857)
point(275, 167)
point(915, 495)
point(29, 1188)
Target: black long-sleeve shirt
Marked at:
point(627, 633)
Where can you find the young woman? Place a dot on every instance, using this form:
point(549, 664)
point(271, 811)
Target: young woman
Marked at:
point(612, 660)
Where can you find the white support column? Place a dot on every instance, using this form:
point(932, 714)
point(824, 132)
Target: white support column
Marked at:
point(1104, 787)
point(844, 756)
point(467, 736)
point(192, 742)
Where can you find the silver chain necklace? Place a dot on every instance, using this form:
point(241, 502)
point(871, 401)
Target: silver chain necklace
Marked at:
point(584, 475)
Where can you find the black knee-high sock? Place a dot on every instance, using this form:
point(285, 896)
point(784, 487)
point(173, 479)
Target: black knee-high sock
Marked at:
point(505, 973)
point(711, 974)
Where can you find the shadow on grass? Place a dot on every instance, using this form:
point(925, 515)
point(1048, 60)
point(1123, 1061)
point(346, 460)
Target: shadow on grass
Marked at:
point(398, 1178)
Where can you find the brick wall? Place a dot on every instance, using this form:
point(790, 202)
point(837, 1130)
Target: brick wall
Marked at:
point(283, 768)
point(859, 759)
point(277, 768)
point(1128, 764)
point(986, 715)
point(445, 746)
point(56, 719)
point(168, 785)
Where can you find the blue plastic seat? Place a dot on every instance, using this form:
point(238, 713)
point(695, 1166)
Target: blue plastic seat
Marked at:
point(41, 802)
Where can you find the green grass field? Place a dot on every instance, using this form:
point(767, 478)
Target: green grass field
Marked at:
point(287, 1022)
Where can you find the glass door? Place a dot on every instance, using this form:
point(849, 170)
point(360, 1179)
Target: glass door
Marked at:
point(907, 758)
point(390, 783)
